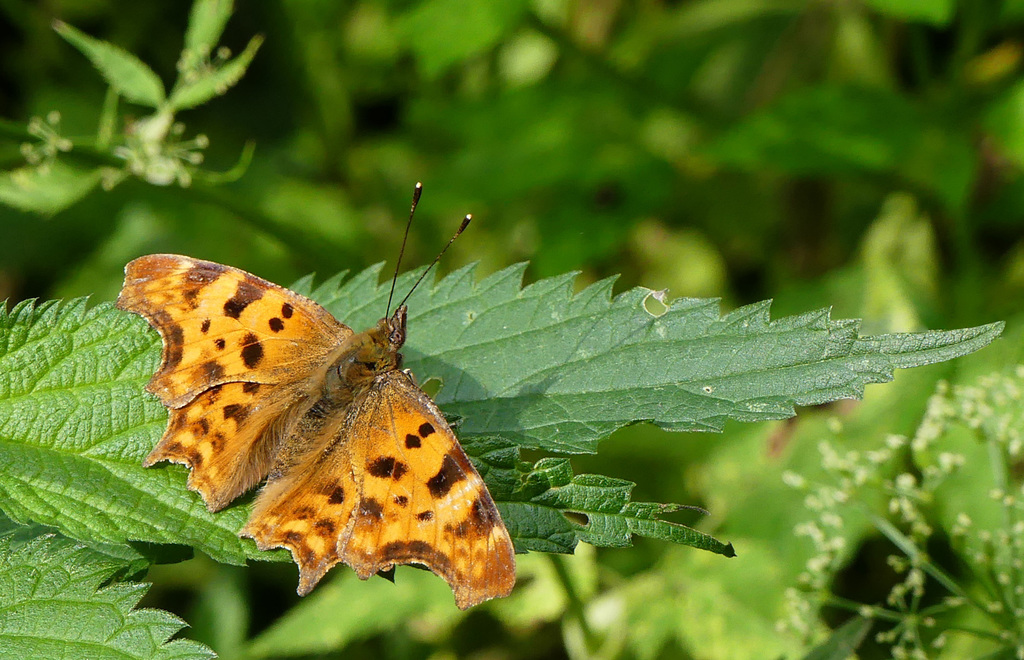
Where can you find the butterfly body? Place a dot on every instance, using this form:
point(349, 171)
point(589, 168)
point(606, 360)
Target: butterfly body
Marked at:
point(361, 467)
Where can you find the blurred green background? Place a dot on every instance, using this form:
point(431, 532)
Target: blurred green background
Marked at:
point(864, 155)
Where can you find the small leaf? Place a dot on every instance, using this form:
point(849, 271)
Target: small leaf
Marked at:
point(206, 23)
point(844, 641)
point(443, 32)
point(54, 607)
point(47, 188)
point(936, 12)
point(214, 82)
point(127, 74)
point(550, 509)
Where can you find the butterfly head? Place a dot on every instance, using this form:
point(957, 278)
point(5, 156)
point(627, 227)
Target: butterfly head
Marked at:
point(369, 354)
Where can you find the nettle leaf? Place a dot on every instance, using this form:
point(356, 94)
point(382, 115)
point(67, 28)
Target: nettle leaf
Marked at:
point(126, 74)
point(54, 605)
point(549, 509)
point(536, 367)
point(75, 425)
point(559, 371)
point(202, 86)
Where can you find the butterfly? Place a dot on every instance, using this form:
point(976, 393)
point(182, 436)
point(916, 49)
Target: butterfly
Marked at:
point(361, 467)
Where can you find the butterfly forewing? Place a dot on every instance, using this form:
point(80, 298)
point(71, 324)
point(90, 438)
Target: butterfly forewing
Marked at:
point(222, 324)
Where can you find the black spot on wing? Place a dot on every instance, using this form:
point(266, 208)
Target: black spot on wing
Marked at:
point(276, 324)
point(250, 388)
point(236, 411)
point(386, 467)
point(286, 310)
point(198, 277)
point(220, 343)
point(175, 341)
point(337, 495)
point(212, 370)
point(426, 429)
point(371, 508)
point(424, 516)
point(203, 273)
point(252, 350)
point(412, 441)
point(447, 476)
point(401, 500)
point(382, 467)
point(246, 294)
point(205, 327)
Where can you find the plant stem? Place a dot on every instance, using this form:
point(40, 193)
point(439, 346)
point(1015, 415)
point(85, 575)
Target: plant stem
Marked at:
point(576, 605)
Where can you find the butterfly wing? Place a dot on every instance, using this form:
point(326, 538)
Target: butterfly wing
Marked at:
point(241, 357)
point(385, 482)
point(221, 325)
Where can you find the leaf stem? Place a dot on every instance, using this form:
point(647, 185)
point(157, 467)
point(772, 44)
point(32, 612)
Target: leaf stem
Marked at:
point(910, 549)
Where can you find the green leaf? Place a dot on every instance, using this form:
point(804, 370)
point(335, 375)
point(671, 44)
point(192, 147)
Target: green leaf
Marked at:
point(549, 509)
point(214, 82)
point(47, 188)
point(936, 12)
point(844, 642)
point(326, 620)
point(443, 32)
point(538, 367)
point(54, 606)
point(75, 425)
point(1005, 122)
point(127, 74)
point(558, 372)
point(206, 23)
point(844, 130)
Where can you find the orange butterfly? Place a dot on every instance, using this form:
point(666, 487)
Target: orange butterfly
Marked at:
point(363, 468)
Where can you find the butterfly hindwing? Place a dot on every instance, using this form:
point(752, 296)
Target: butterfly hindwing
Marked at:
point(390, 486)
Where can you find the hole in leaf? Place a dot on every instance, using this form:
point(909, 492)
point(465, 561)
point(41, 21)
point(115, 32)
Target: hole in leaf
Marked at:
point(432, 386)
point(579, 518)
point(654, 303)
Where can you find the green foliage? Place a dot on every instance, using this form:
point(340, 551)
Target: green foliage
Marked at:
point(858, 156)
point(83, 475)
point(76, 428)
point(126, 74)
point(57, 602)
point(560, 371)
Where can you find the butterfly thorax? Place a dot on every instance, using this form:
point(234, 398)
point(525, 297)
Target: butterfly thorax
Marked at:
point(365, 356)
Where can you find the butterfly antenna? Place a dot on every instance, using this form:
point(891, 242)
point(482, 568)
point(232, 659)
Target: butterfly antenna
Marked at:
point(412, 210)
point(462, 227)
